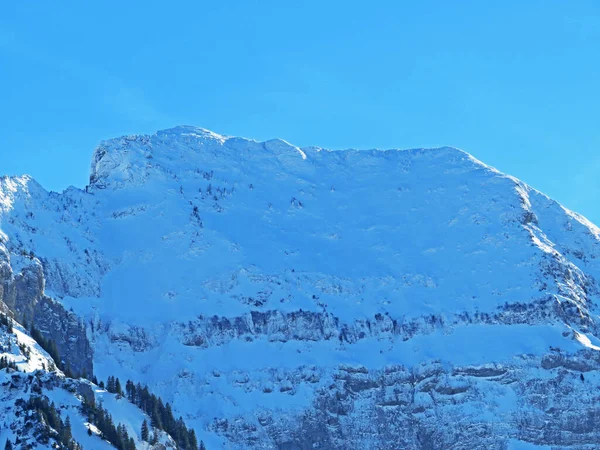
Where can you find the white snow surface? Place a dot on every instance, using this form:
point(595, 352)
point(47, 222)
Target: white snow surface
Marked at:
point(185, 225)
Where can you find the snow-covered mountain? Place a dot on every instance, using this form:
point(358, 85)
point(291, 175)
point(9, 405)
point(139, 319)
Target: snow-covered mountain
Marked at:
point(293, 298)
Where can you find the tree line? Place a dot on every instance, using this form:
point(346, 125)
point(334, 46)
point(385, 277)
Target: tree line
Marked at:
point(6, 322)
point(47, 414)
point(115, 434)
point(160, 413)
point(4, 363)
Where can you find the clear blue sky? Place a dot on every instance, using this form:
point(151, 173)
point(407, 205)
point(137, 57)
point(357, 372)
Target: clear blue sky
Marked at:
point(515, 83)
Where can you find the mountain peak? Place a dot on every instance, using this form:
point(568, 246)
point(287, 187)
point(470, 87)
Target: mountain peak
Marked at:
point(191, 130)
point(175, 150)
point(178, 149)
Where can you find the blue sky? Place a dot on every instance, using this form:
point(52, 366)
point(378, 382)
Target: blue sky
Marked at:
point(517, 84)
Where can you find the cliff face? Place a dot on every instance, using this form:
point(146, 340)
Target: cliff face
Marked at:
point(22, 293)
point(302, 298)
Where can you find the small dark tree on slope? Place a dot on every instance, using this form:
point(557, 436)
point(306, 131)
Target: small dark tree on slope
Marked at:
point(145, 431)
point(118, 389)
point(66, 435)
point(110, 385)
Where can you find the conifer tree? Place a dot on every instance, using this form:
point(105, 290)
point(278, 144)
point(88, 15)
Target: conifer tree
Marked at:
point(8, 445)
point(130, 390)
point(155, 416)
point(193, 440)
point(66, 432)
point(145, 431)
point(110, 384)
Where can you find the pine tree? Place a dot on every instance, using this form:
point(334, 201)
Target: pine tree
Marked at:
point(66, 432)
point(8, 445)
point(145, 431)
point(193, 440)
point(169, 419)
point(202, 446)
point(130, 391)
point(110, 384)
point(155, 416)
point(118, 389)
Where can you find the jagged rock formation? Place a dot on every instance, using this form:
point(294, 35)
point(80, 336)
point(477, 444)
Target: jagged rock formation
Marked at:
point(23, 294)
point(287, 298)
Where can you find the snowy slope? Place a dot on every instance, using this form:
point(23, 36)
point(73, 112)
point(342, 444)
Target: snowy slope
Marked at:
point(36, 376)
point(292, 298)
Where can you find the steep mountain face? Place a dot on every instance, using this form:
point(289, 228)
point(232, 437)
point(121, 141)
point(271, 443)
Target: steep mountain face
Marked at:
point(287, 298)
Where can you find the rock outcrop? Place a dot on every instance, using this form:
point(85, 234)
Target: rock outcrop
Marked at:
point(22, 294)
